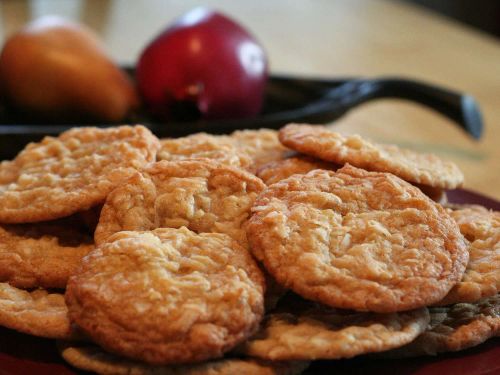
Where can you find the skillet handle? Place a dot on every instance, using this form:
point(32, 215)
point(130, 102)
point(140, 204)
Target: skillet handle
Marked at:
point(460, 108)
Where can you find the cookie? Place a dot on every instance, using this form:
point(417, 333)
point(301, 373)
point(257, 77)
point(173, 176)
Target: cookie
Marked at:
point(247, 149)
point(425, 169)
point(37, 313)
point(8, 171)
point(481, 228)
point(456, 327)
point(220, 148)
point(73, 172)
point(476, 222)
point(262, 145)
point(202, 195)
point(167, 296)
point(358, 240)
point(318, 332)
point(92, 358)
point(278, 170)
point(43, 254)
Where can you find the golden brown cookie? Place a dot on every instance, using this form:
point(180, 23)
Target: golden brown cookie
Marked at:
point(475, 221)
point(8, 171)
point(318, 332)
point(358, 240)
point(42, 254)
point(456, 327)
point(481, 228)
point(37, 313)
point(320, 142)
point(220, 148)
point(167, 296)
point(262, 145)
point(93, 358)
point(73, 172)
point(202, 195)
point(248, 149)
point(278, 170)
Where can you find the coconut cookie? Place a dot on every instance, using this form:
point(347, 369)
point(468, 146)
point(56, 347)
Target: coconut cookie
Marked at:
point(481, 228)
point(93, 358)
point(43, 254)
point(262, 145)
point(204, 196)
point(73, 172)
point(220, 148)
point(278, 170)
point(167, 296)
point(358, 240)
point(318, 332)
point(37, 313)
point(455, 328)
point(425, 169)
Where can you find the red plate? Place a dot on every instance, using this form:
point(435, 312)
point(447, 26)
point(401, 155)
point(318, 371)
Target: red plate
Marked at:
point(22, 354)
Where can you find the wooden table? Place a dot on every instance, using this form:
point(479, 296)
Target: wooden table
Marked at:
point(336, 38)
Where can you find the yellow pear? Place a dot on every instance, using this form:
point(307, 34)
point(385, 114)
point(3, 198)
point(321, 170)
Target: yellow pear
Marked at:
point(57, 69)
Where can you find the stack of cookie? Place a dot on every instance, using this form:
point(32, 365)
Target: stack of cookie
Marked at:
point(364, 239)
point(248, 253)
point(49, 205)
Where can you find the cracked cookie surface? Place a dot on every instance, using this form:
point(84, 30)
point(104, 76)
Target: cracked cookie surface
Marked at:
point(37, 312)
point(278, 170)
point(318, 332)
point(247, 149)
point(73, 172)
point(358, 240)
point(220, 148)
point(42, 254)
point(168, 295)
point(320, 142)
point(262, 145)
point(202, 195)
point(481, 228)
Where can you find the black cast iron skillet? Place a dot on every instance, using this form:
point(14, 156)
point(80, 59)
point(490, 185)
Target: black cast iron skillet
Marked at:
point(287, 99)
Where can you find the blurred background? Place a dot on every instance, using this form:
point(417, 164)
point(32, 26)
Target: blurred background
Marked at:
point(481, 14)
point(126, 24)
point(453, 43)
